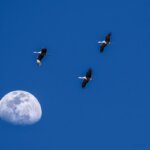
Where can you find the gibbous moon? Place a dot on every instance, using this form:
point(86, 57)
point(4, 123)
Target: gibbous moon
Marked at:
point(20, 107)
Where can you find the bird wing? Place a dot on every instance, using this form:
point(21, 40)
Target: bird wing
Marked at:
point(84, 82)
point(44, 51)
point(89, 73)
point(107, 38)
point(102, 47)
point(40, 56)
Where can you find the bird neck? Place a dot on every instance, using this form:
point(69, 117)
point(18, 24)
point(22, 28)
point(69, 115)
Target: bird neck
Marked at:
point(82, 78)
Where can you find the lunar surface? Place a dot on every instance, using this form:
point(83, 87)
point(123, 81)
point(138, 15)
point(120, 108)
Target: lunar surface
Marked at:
point(20, 107)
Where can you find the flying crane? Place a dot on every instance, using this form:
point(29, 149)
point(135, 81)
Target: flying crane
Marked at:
point(86, 78)
point(104, 43)
point(41, 55)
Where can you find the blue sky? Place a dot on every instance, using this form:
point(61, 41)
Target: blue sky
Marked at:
point(113, 111)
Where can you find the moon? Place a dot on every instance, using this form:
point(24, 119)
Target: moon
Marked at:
point(20, 107)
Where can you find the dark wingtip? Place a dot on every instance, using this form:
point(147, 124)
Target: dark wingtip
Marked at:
point(44, 49)
point(90, 69)
point(109, 33)
point(83, 86)
point(101, 50)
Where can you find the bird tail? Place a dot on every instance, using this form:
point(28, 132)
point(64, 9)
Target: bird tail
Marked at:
point(38, 62)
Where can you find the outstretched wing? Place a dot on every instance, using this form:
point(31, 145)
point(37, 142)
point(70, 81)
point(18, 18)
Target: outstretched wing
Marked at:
point(40, 57)
point(102, 46)
point(42, 54)
point(84, 82)
point(44, 51)
point(107, 38)
point(89, 73)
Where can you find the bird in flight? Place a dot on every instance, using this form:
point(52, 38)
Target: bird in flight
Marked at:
point(86, 78)
point(41, 55)
point(104, 43)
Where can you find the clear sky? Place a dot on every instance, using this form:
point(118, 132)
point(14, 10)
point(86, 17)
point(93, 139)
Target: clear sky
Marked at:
point(113, 111)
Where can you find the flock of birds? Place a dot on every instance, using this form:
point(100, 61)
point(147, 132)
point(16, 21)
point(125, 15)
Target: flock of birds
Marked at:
point(88, 75)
